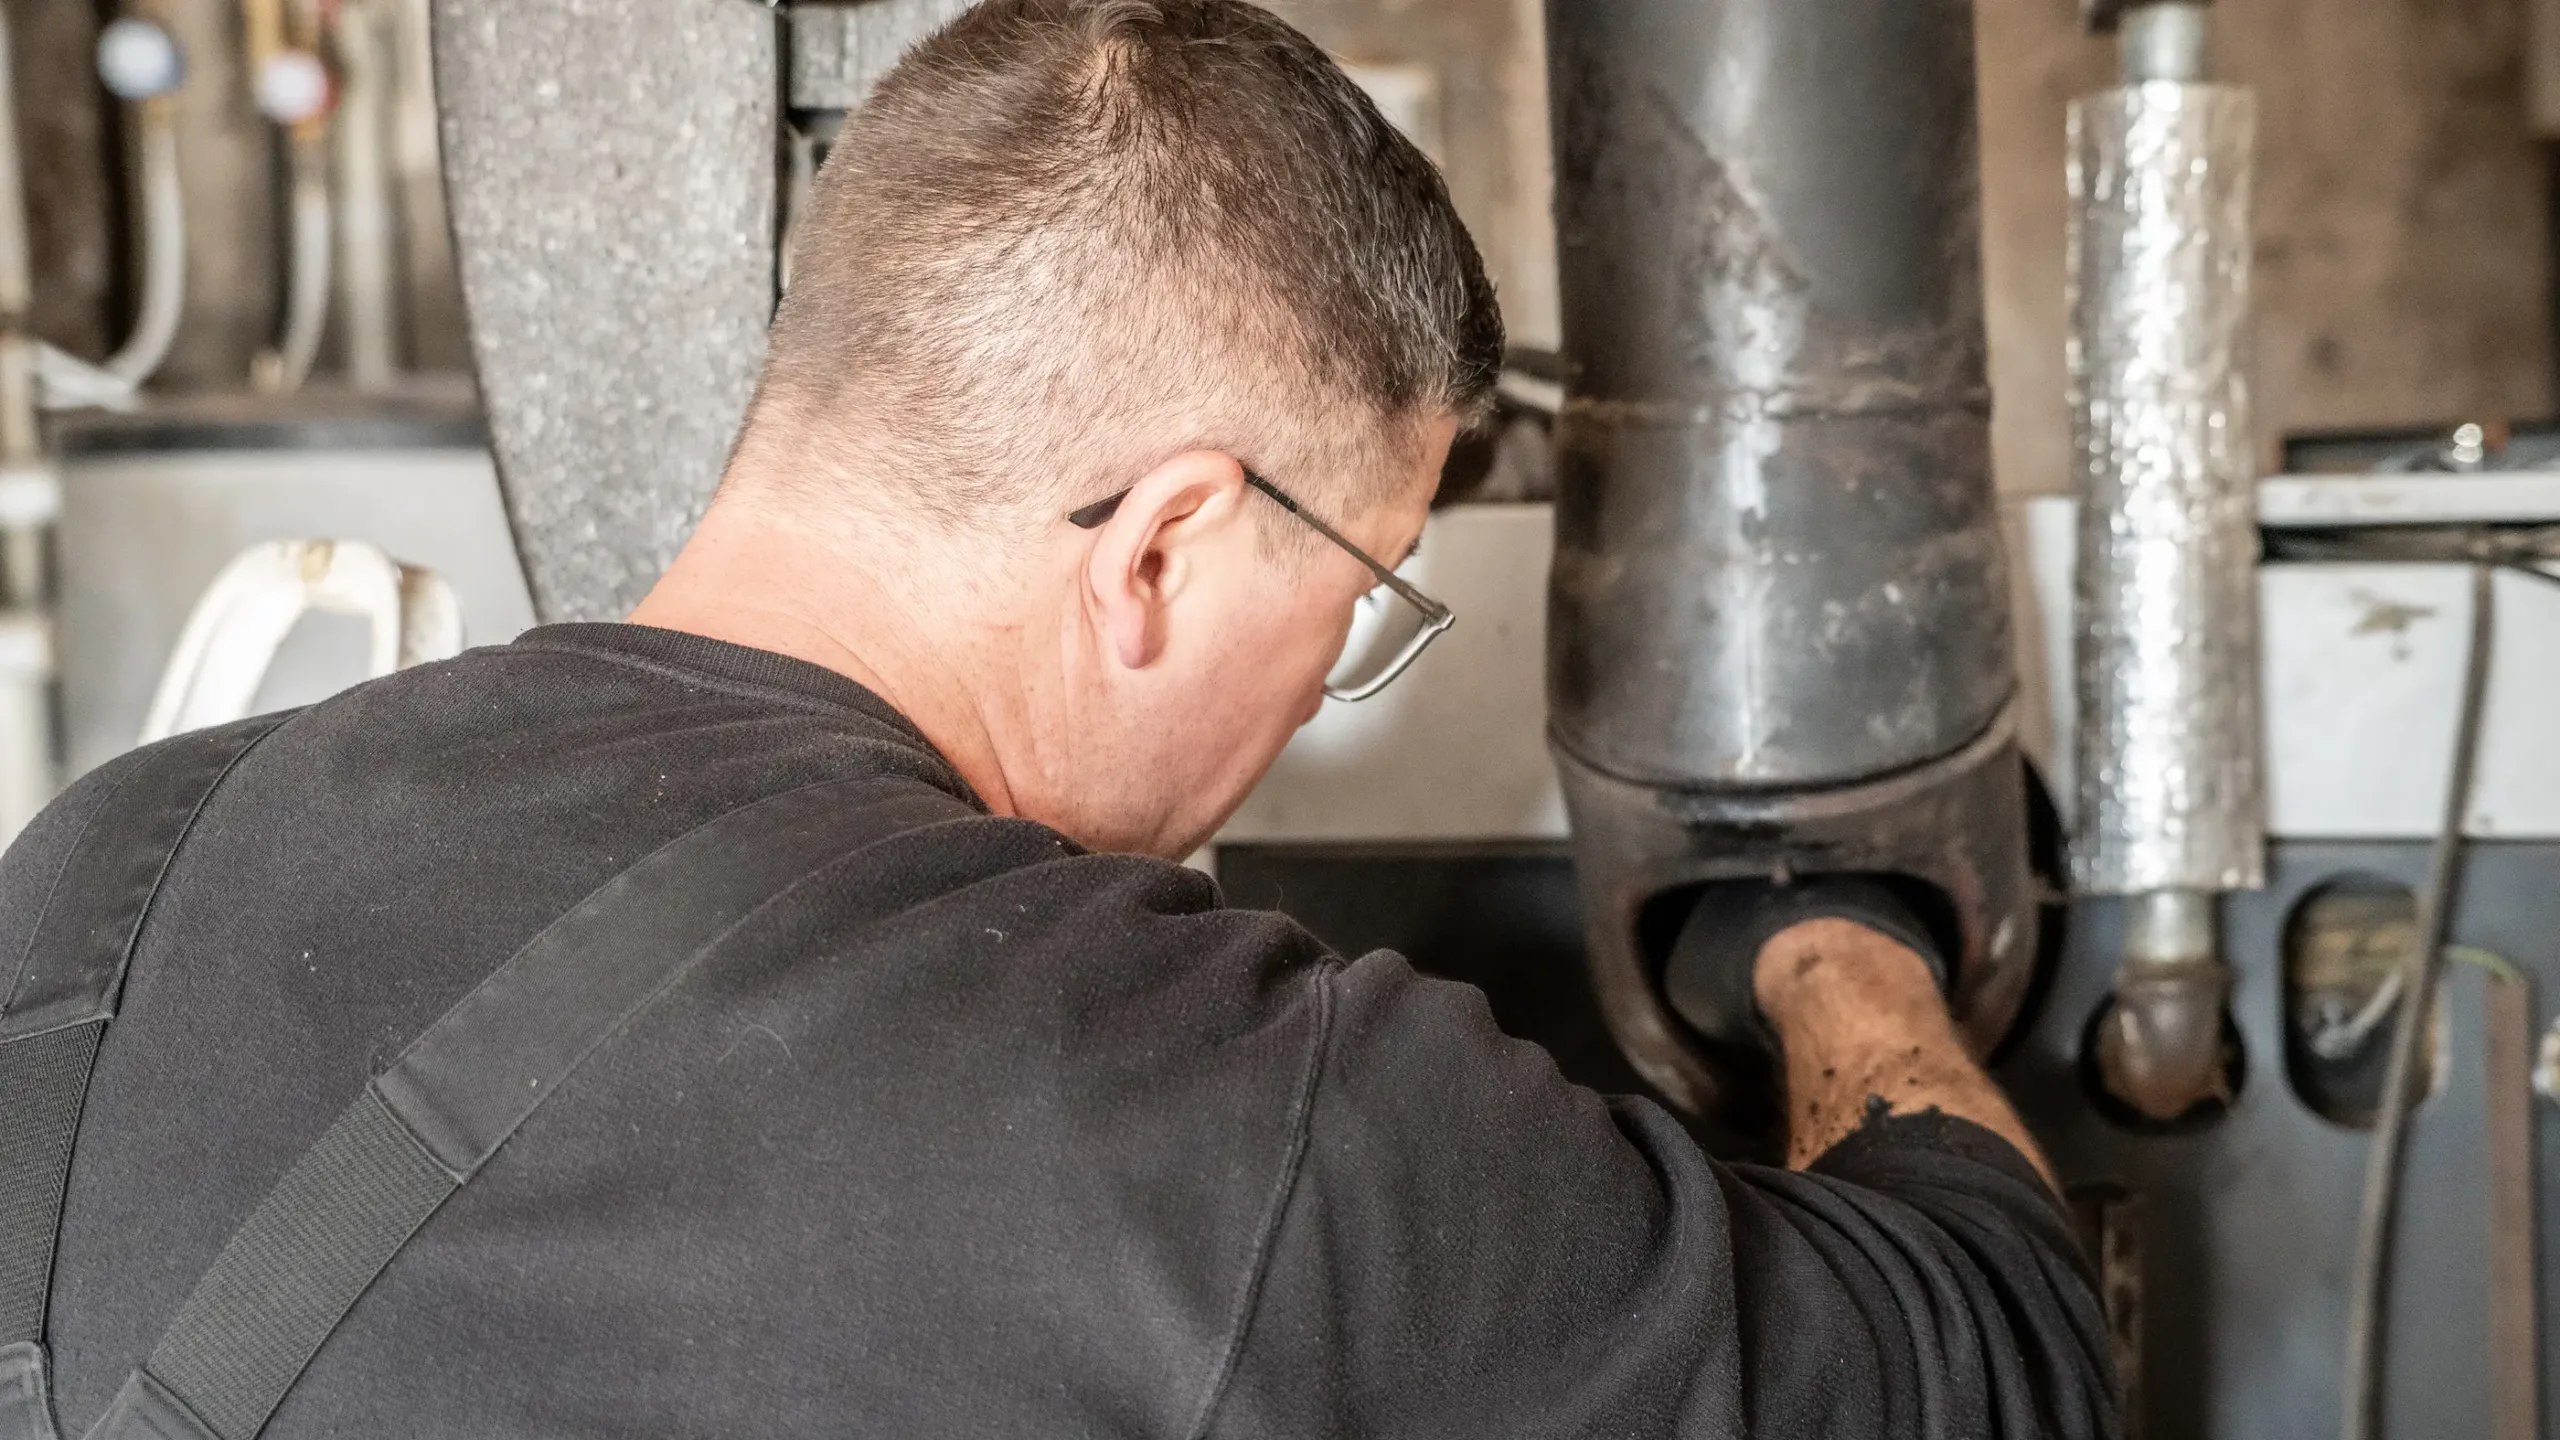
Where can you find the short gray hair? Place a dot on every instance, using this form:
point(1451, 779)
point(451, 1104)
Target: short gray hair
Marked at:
point(1066, 239)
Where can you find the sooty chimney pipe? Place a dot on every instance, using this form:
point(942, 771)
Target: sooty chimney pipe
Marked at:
point(1779, 640)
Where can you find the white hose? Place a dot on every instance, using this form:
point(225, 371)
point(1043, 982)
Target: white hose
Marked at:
point(283, 369)
point(368, 282)
point(232, 635)
point(64, 381)
point(164, 254)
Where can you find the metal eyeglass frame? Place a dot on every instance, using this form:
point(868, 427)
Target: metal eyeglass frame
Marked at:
point(1437, 618)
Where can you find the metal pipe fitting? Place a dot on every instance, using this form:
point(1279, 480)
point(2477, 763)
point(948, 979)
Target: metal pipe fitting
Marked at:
point(2160, 1047)
point(368, 281)
point(2167, 42)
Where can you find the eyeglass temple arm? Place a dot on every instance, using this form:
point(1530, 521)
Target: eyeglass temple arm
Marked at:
point(1386, 577)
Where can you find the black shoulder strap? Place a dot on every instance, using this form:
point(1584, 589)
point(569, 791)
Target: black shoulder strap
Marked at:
point(430, 1121)
point(67, 991)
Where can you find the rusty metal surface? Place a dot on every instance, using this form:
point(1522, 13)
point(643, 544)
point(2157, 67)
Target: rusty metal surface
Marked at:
point(1957, 825)
point(611, 166)
point(1777, 561)
point(1778, 634)
point(2171, 782)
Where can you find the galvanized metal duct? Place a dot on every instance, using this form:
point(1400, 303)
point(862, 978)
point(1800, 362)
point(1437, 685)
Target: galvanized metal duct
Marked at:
point(1779, 633)
point(2170, 785)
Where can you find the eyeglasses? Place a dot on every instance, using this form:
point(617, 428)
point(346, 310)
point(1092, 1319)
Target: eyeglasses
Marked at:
point(1395, 623)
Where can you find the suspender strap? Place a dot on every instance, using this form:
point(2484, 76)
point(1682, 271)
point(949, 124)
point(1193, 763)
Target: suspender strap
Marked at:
point(425, 1125)
point(73, 974)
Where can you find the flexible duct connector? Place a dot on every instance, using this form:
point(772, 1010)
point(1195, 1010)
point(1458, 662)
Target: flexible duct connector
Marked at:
point(2170, 781)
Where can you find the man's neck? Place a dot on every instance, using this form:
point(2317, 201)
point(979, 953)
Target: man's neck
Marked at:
point(768, 583)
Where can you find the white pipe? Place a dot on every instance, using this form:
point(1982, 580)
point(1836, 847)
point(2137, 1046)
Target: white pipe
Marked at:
point(24, 468)
point(26, 719)
point(26, 632)
point(368, 249)
point(284, 369)
point(140, 65)
point(232, 635)
point(164, 253)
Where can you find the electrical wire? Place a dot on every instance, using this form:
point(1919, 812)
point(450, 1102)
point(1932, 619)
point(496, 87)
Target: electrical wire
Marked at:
point(2346, 1037)
point(2490, 960)
point(2369, 1283)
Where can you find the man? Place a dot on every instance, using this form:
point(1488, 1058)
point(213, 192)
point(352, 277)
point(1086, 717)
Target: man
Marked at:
point(1125, 338)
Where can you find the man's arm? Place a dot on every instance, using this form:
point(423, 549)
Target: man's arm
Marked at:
point(1860, 1020)
point(1471, 1246)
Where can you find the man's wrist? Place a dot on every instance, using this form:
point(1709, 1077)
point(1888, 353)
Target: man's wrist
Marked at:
point(1821, 967)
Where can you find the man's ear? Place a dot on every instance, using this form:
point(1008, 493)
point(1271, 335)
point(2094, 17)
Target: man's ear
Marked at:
point(1148, 552)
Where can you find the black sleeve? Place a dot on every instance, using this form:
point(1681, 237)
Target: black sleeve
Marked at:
point(1472, 1246)
point(34, 860)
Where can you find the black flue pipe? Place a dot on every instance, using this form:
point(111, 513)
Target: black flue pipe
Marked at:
point(1778, 555)
point(1779, 620)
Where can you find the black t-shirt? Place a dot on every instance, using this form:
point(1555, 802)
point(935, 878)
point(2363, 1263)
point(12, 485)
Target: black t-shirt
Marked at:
point(1006, 1139)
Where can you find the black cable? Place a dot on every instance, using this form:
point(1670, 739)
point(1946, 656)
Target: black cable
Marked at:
point(2369, 1283)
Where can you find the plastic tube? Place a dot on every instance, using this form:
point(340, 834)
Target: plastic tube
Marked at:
point(368, 252)
point(283, 369)
point(164, 253)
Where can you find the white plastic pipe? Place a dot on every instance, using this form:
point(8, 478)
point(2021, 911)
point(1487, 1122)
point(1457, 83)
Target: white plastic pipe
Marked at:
point(164, 253)
point(232, 635)
point(283, 369)
point(26, 719)
point(139, 63)
point(368, 285)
